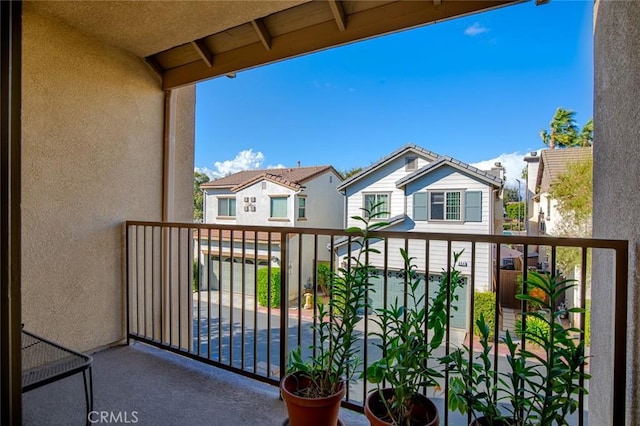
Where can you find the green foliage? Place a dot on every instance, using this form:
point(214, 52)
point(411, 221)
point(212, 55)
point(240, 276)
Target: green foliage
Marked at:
point(510, 195)
point(515, 210)
point(323, 272)
point(535, 329)
point(408, 338)
point(263, 295)
point(198, 179)
point(563, 131)
point(587, 322)
point(196, 278)
point(484, 305)
point(336, 360)
point(573, 191)
point(351, 172)
point(534, 389)
point(472, 386)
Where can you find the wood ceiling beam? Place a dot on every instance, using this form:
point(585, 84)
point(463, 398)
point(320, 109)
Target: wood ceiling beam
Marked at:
point(155, 67)
point(203, 50)
point(338, 14)
point(369, 23)
point(263, 33)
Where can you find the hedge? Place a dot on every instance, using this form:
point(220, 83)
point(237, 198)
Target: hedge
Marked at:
point(484, 303)
point(275, 287)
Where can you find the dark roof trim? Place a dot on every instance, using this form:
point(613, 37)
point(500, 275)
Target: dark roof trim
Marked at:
point(391, 222)
point(483, 175)
point(387, 159)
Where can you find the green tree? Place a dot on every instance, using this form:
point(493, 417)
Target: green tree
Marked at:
point(563, 131)
point(586, 134)
point(350, 172)
point(198, 179)
point(510, 195)
point(573, 191)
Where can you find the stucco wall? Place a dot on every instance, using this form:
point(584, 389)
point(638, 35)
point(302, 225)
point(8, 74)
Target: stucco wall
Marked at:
point(92, 158)
point(616, 173)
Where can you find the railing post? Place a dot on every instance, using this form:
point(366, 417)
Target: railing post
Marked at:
point(284, 305)
point(620, 333)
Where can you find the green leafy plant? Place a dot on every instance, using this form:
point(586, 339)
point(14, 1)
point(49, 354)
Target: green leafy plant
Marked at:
point(263, 287)
point(196, 278)
point(324, 277)
point(408, 336)
point(536, 388)
point(336, 360)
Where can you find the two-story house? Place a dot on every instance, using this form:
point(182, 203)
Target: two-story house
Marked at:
point(421, 191)
point(302, 197)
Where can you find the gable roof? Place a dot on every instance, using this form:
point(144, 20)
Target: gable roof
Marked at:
point(293, 178)
point(444, 160)
point(390, 222)
point(387, 159)
point(555, 162)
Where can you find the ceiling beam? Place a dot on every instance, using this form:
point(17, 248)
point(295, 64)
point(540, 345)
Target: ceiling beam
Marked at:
point(338, 14)
point(203, 50)
point(263, 33)
point(437, 2)
point(155, 67)
point(388, 18)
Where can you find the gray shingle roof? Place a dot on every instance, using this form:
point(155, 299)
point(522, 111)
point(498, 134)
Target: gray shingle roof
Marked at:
point(390, 222)
point(384, 160)
point(460, 165)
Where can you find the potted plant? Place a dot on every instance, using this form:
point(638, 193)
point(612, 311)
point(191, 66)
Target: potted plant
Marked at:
point(408, 337)
point(314, 387)
point(538, 386)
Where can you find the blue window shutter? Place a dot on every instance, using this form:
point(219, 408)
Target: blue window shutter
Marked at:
point(420, 206)
point(473, 206)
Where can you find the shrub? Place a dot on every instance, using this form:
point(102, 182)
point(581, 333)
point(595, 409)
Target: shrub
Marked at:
point(537, 329)
point(587, 322)
point(196, 278)
point(324, 276)
point(263, 288)
point(484, 304)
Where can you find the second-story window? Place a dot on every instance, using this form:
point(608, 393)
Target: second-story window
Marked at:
point(377, 204)
point(445, 205)
point(227, 207)
point(278, 207)
point(302, 207)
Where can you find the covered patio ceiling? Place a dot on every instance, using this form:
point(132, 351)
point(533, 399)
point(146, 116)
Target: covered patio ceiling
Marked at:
point(185, 42)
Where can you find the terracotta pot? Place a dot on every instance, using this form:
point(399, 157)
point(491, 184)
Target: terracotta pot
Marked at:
point(425, 412)
point(482, 421)
point(309, 411)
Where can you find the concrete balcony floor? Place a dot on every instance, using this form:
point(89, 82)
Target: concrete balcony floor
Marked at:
point(144, 385)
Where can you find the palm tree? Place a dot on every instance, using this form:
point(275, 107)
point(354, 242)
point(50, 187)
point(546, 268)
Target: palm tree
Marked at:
point(563, 130)
point(586, 134)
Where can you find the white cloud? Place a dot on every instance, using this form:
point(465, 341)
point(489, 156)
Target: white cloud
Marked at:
point(245, 160)
point(475, 29)
point(513, 164)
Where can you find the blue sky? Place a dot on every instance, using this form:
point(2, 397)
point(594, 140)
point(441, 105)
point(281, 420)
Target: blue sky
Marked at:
point(479, 88)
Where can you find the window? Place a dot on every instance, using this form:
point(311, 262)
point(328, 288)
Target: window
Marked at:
point(279, 207)
point(411, 163)
point(473, 206)
point(377, 204)
point(227, 207)
point(420, 206)
point(445, 205)
point(302, 207)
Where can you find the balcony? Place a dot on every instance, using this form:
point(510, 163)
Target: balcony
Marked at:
point(219, 322)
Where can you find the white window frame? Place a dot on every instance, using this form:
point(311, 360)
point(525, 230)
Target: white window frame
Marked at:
point(445, 206)
point(376, 195)
point(302, 208)
point(286, 199)
point(226, 213)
